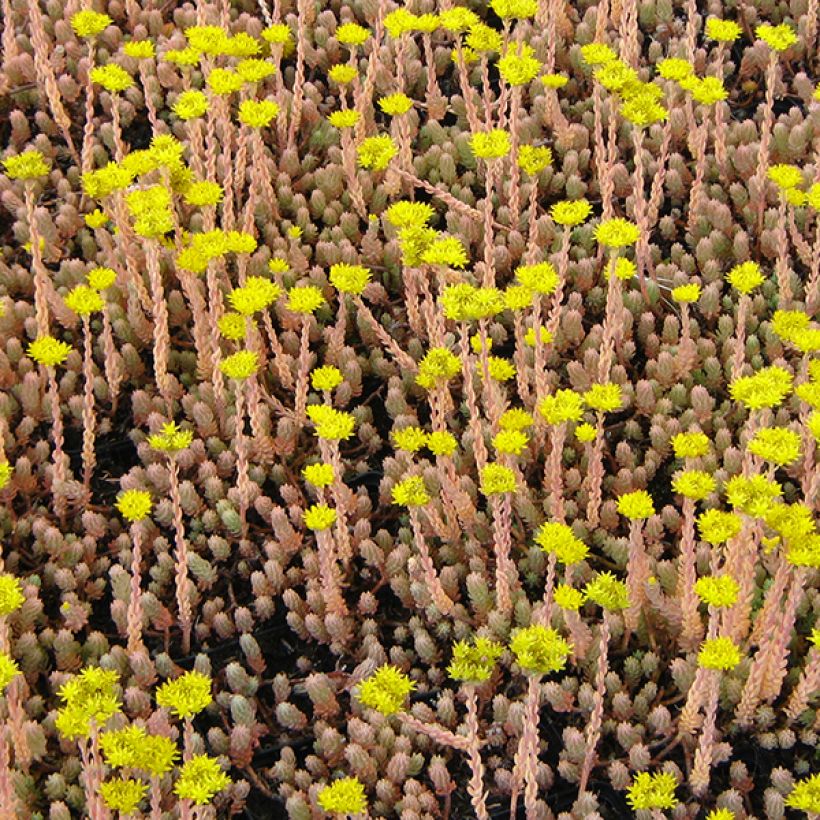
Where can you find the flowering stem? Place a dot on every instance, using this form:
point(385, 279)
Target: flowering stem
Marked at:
point(475, 787)
point(637, 575)
point(349, 164)
point(596, 472)
point(692, 630)
point(302, 379)
point(757, 187)
point(89, 418)
point(59, 457)
point(505, 568)
point(515, 170)
point(135, 644)
point(180, 560)
point(593, 732)
point(440, 598)
point(162, 338)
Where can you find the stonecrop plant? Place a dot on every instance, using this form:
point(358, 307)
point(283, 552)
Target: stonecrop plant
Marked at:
point(410, 410)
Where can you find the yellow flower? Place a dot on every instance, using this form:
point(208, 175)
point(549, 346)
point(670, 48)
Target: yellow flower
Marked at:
point(331, 424)
point(457, 19)
point(636, 505)
point(694, 484)
point(386, 690)
point(570, 212)
point(11, 594)
point(211, 40)
point(352, 34)
point(343, 73)
point(624, 269)
point(101, 278)
point(257, 294)
point(376, 152)
point(616, 76)
point(540, 277)
point(399, 22)
point(28, 165)
point(84, 300)
point(139, 49)
point(224, 81)
point(753, 495)
point(277, 34)
point(190, 104)
point(555, 81)
point(254, 71)
point(565, 405)
point(9, 670)
point(187, 695)
point(519, 65)
point(529, 337)
point(586, 433)
point(510, 442)
point(596, 54)
point(608, 592)
point(171, 439)
point(257, 113)
point(89, 695)
point(492, 144)
point(690, 445)
point(5, 473)
point(112, 78)
point(326, 378)
point(344, 796)
point(438, 366)
point(686, 293)
point(813, 425)
point(200, 780)
point(89, 23)
point(474, 661)
point(540, 649)
point(767, 388)
point(568, 597)
point(745, 277)
point(717, 590)
point(643, 111)
point(778, 38)
point(319, 517)
point(182, 56)
point(395, 104)
point(203, 194)
point(605, 398)
point(805, 796)
point(410, 439)
point(499, 369)
point(305, 299)
point(556, 538)
point(134, 505)
point(46, 350)
point(719, 653)
point(319, 475)
point(483, 38)
point(708, 90)
point(515, 419)
point(96, 219)
point(496, 479)
point(809, 392)
point(674, 68)
point(445, 250)
point(724, 31)
point(123, 795)
point(652, 791)
point(240, 366)
point(534, 158)
point(785, 176)
point(716, 526)
point(441, 443)
point(409, 214)
point(778, 445)
point(463, 302)
point(517, 297)
point(514, 9)
point(617, 233)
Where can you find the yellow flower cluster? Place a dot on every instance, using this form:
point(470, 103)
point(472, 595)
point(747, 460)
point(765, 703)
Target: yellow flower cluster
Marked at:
point(48, 351)
point(568, 597)
point(89, 23)
point(608, 592)
point(767, 388)
point(11, 594)
point(686, 294)
point(187, 695)
point(724, 31)
point(386, 690)
point(556, 538)
point(9, 670)
point(446, 251)
point(694, 484)
point(778, 38)
point(345, 118)
point(540, 650)
point(84, 300)
point(112, 78)
point(326, 378)
point(441, 443)
point(510, 442)
point(717, 590)
point(490, 145)
point(134, 505)
point(719, 653)
point(258, 113)
point(395, 104)
point(777, 445)
point(617, 233)
point(200, 780)
point(540, 277)
point(28, 165)
point(534, 158)
point(256, 294)
point(376, 152)
point(564, 406)
point(716, 526)
point(805, 796)
point(652, 791)
point(139, 49)
point(464, 302)
point(88, 696)
point(101, 278)
point(690, 445)
point(745, 277)
point(753, 495)
point(636, 505)
point(352, 34)
point(305, 299)
point(232, 326)
point(171, 439)
point(343, 73)
point(319, 517)
point(518, 65)
point(344, 796)
point(473, 661)
point(496, 479)
point(241, 365)
point(319, 475)
point(605, 398)
point(190, 104)
point(123, 794)
point(331, 424)
point(437, 367)
point(571, 212)
point(410, 439)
